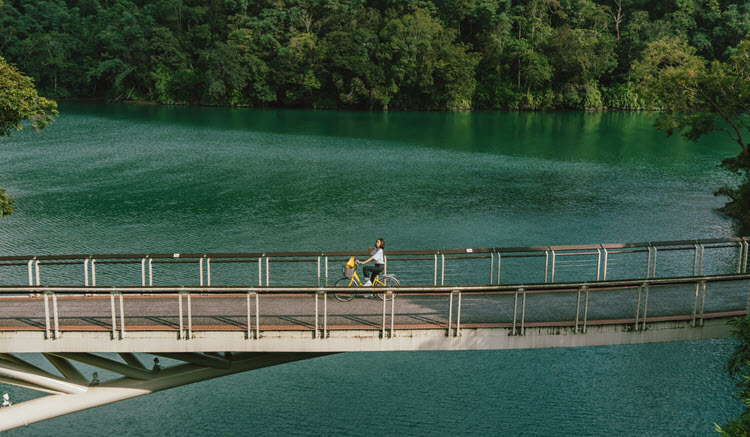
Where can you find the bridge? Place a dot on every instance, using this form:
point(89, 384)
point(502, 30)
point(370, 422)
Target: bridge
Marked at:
point(106, 332)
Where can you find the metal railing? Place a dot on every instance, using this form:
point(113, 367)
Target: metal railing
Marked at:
point(548, 264)
point(583, 292)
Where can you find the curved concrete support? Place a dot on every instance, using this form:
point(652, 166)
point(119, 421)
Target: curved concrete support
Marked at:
point(67, 369)
point(119, 389)
point(19, 371)
point(106, 363)
point(18, 383)
point(199, 359)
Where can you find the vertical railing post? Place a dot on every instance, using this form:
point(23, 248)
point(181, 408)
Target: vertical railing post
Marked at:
point(458, 314)
point(143, 272)
point(325, 314)
point(190, 315)
point(598, 263)
point(515, 310)
point(260, 271)
point(317, 324)
point(739, 257)
point(86, 272)
point(703, 299)
point(450, 315)
point(648, 264)
point(47, 329)
point(523, 313)
point(150, 272)
point(695, 302)
point(604, 269)
point(36, 268)
point(268, 274)
point(653, 264)
point(114, 315)
point(645, 306)
point(442, 269)
point(54, 313)
point(122, 316)
point(393, 310)
point(434, 275)
point(585, 309)
point(385, 301)
point(257, 316)
point(208, 271)
point(318, 271)
point(249, 318)
point(492, 266)
point(93, 272)
point(695, 259)
point(578, 307)
point(31, 272)
point(180, 334)
point(700, 265)
point(744, 261)
point(200, 266)
point(546, 264)
point(499, 256)
point(554, 259)
point(638, 305)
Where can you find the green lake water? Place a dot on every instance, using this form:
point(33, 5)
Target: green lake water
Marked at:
point(137, 179)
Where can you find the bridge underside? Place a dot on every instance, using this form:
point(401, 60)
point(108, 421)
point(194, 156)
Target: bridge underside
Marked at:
point(199, 359)
point(72, 391)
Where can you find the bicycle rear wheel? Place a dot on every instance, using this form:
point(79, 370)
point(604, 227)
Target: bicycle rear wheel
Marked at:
point(389, 282)
point(343, 296)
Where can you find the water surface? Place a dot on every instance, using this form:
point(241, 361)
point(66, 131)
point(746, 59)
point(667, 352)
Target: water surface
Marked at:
point(118, 178)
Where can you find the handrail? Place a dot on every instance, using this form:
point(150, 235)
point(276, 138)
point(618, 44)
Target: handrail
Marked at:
point(593, 285)
point(732, 241)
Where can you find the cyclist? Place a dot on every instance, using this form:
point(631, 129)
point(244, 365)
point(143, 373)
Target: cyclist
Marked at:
point(372, 272)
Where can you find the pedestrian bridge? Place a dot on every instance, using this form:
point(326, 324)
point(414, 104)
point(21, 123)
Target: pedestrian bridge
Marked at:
point(107, 311)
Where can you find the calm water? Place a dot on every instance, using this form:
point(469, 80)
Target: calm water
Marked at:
point(116, 178)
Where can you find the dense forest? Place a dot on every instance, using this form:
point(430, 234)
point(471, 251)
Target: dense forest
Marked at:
point(358, 54)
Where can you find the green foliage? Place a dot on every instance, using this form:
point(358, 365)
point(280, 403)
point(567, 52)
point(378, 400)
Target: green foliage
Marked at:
point(623, 96)
point(698, 98)
point(19, 102)
point(6, 203)
point(397, 54)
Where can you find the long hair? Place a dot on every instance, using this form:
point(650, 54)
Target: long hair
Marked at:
point(382, 243)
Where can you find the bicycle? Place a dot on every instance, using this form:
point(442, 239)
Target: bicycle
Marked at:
point(351, 279)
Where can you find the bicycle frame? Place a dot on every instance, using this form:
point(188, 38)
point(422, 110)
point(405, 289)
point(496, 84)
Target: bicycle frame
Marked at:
point(356, 278)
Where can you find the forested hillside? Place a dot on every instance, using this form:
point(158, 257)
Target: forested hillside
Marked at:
point(379, 54)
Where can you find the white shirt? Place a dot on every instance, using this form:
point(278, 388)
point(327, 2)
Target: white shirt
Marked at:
point(377, 256)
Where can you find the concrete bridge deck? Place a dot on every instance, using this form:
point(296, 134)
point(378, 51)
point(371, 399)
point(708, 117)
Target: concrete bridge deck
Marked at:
point(311, 319)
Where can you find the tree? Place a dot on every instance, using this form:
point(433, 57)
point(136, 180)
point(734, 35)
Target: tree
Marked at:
point(19, 102)
point(697, 98)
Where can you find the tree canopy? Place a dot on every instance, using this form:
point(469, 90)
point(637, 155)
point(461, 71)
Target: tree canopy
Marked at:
point(357, 54)
point(697, 97)
point(19, 102)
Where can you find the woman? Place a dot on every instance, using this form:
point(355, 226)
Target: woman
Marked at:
point(372, 272)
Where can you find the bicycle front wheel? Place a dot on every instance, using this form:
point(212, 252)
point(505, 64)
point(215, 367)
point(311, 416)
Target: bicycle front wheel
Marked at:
point(343, 296)
point(389, 282)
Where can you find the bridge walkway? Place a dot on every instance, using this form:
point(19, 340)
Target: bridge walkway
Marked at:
point(411, 310)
